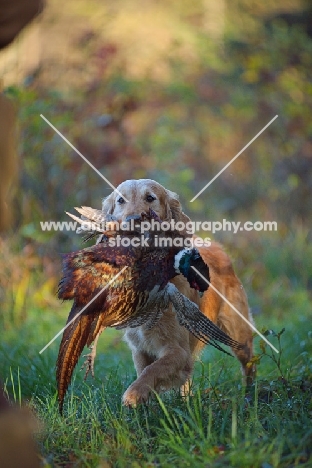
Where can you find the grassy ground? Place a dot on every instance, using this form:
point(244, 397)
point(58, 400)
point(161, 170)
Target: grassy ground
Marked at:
point(219, 426)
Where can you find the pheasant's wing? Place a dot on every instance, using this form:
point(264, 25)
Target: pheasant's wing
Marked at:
point(91, 214)
point(87, 225)
point(197, 323)
point(87, 269)
point(92, 222)
point(144, 311)
point(90, 218)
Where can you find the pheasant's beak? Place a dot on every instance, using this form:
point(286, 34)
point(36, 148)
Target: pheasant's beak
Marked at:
point(134, 221)
point(135, 217)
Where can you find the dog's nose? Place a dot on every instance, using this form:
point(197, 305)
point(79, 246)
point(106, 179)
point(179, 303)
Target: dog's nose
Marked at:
point(135, 217)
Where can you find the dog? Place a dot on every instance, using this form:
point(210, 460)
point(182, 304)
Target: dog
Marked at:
point(164, 356)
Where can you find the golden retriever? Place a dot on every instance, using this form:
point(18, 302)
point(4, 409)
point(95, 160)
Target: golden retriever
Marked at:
point(164, 356)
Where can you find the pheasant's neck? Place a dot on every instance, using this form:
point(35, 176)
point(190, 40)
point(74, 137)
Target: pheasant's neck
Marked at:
point(182, 262)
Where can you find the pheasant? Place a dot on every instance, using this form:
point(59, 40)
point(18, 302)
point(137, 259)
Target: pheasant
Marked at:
point(124, 287)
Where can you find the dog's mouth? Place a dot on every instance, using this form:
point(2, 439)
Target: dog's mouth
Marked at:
point(147, 224)
point(133, 223)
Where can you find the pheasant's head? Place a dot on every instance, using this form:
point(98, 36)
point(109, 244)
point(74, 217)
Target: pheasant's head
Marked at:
point(184, 261)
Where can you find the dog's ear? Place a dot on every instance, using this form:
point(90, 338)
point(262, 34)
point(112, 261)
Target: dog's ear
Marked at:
point(108, 204)
point(175, 208)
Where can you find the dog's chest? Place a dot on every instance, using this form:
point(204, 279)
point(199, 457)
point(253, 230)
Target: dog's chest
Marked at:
point(145, 341)
point(153, 341)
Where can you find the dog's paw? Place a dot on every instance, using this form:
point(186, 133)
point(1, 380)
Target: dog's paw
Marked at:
point(135, 395)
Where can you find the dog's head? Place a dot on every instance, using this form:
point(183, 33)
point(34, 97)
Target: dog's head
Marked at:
point(136, 197)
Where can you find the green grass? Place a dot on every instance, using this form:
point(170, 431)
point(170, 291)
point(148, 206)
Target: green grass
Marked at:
point(219, 426)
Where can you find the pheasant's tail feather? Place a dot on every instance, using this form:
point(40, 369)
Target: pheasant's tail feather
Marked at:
point(96, 327)
point(197, 323)
point(73, 341)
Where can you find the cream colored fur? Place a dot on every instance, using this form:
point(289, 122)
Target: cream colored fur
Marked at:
point(164, 356)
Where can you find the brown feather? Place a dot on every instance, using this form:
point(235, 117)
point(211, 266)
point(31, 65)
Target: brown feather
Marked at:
point(72, 344)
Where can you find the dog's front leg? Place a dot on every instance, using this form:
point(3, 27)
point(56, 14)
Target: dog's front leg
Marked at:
point(141, 360)
point(171, 370)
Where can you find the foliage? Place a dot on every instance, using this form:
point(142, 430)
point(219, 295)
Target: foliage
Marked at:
point(180, 130)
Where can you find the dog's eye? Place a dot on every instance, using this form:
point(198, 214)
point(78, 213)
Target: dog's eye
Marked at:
point(121, 200)
point(150, 198)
